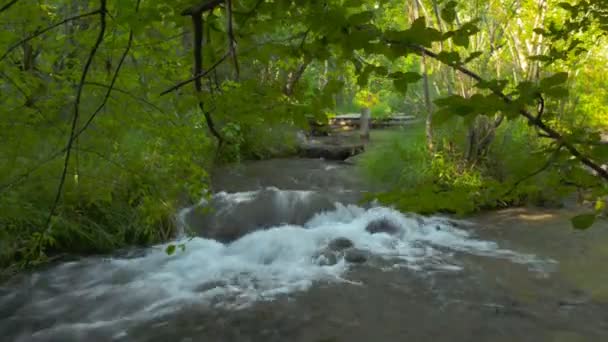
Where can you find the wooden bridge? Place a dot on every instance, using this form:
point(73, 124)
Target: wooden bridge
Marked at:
point(353, 120)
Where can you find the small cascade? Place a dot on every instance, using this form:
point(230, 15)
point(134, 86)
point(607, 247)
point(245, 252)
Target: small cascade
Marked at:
point(114, 293)
point(229, 216)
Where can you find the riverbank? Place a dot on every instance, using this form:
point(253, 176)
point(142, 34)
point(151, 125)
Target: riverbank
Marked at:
point(517, 273)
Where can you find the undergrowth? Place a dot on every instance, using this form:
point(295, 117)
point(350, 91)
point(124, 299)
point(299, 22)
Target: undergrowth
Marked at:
point(415, 180)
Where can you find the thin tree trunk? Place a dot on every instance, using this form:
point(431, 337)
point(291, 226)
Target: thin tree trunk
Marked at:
point(427, 93)
point(445, 70)
point(294, 77)
point(364, 124)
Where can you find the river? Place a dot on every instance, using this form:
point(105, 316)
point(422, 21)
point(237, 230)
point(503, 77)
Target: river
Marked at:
point(512, 275)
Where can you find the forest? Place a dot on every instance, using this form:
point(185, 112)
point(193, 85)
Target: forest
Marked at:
point(113, 113)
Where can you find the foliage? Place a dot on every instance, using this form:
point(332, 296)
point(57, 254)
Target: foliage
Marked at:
point(444, 182)
point(104, 128)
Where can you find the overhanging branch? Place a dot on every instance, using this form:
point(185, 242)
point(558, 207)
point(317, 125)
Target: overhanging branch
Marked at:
point(102, 18)
point(199, 76)
point(535, 121)
point(40, 32)
point(8, 5)
point(202, 7)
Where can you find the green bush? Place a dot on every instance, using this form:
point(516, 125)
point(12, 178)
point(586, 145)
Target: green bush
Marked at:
point(115, 195)
point(415, 180)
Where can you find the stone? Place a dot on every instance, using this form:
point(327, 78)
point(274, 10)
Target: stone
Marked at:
point(355, 256)
point(210, 286)
point(329, 152)
point(326, 258)
point(340, 244)
point(382, 226)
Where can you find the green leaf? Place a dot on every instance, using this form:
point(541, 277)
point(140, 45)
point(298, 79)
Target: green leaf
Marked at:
point(494, 85)
point(540, 31)
point(553, 80)
point(401, 85)
point(557, 92)
point(361, 18)
point(461, 39)
point(442, 116)
point(565, 6)
point(170, 249)
point(353, 3)
point(449, 58)
point(411, 77)
point(381, 70)
point(448, 12)
point(582, 222)
point(419, 24)
point(363, 76)
point(472, 56)
point(600, 152)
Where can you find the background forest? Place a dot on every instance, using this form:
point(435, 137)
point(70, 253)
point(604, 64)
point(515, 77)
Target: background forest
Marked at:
point(112, 112)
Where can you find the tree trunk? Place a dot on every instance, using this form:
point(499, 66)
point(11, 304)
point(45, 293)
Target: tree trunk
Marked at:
point(293, 78)
point(427, 93)
point(481, 134)
point(366, 114)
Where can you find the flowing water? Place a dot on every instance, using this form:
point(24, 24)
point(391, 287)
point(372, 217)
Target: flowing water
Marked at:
point(515, 275)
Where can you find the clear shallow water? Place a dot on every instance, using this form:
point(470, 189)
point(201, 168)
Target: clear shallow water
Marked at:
point(502, 276)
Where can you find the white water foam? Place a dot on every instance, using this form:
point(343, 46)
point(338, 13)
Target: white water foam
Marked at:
point(258, 266)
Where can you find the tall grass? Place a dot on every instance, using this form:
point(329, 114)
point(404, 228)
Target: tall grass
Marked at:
point(413, 179)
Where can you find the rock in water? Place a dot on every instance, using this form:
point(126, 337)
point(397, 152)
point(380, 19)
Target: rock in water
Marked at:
point(382, 226)
point(327, 258)
point(355, 256)
point(330, 152)
point(340, 243)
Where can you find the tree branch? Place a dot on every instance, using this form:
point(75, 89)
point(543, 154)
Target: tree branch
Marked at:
point(111, 86)
point(202, 7)
point(231, 40)
point(197, 24)
point(40, 32)
point(553, 134)
point(122, 91)
point(102, 18)
point(536, 172)
point(8, 5)
point(541, 107)
point(199, 76)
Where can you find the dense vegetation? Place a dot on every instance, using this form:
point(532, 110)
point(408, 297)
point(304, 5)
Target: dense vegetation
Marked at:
point(113, 111)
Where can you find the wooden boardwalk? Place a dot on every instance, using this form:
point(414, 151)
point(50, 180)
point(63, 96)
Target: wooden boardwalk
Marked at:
point(353, 120)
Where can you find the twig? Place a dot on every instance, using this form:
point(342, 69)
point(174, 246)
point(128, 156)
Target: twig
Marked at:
point(122, 91)
point(114, 78)
point(87, 66)
point(536, 172)
point(8, 5)
point(39, 32)
point(199, 76)
point(541, 106)
point(109, 160)
point(28, 172)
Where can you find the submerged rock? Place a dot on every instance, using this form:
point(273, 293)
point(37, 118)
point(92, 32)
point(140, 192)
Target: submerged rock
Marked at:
point(339, 244)
point(337, 249)
point(210, 286)
point(382, 226)
point(229, 216)
point(330, 152)
point(327, 258)
point(355, 256)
